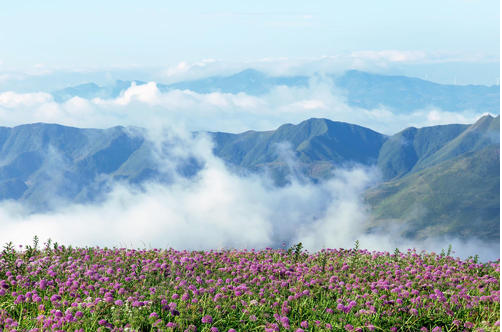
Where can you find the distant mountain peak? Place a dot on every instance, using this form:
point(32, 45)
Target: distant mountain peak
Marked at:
point(250, 72)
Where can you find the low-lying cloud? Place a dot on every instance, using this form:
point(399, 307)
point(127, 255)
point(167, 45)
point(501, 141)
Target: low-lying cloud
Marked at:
point(146, 106)
point(217, 208)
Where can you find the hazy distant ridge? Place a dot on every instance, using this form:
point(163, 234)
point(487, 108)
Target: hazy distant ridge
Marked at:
point(362, 89)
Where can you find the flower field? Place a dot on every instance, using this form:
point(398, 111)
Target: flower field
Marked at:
point(59, 288)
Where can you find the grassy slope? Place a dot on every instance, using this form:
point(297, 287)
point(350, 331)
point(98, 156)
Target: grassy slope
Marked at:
point(435, 200)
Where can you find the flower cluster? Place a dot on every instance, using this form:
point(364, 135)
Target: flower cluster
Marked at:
point(63, 289)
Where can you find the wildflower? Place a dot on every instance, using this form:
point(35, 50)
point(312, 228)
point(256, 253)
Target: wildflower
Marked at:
point(207, 319)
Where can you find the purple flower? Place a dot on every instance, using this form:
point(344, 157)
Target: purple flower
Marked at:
point(207, 319)
point(55, 297)
point(284, 321)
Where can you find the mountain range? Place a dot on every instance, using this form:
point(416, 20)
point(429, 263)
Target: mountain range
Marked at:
point(440, 180)
point(361, 89)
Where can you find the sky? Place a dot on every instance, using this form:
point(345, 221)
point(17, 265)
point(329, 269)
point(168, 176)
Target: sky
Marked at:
point(408, 37)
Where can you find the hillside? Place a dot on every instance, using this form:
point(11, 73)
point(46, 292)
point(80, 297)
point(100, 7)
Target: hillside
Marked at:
point(453, 189)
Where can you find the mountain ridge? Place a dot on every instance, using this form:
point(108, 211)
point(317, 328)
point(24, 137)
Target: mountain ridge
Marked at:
point(361, 89)
point(420, 166)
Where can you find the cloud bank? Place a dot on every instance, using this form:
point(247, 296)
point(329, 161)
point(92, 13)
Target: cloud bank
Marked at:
point(146, 106)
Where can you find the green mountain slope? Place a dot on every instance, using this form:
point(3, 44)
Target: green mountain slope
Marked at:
point(453, 191)
point(402, 151)
point(485, 132)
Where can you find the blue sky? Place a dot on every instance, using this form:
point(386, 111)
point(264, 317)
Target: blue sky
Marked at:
point(101, 34)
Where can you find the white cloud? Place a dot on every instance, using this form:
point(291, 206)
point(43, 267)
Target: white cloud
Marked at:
point(144, 105)
point(214, 209)
point(390, 56)
point(11, 99)
point(191, 70)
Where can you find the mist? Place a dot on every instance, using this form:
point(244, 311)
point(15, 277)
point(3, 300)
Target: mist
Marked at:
point(219, 209)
